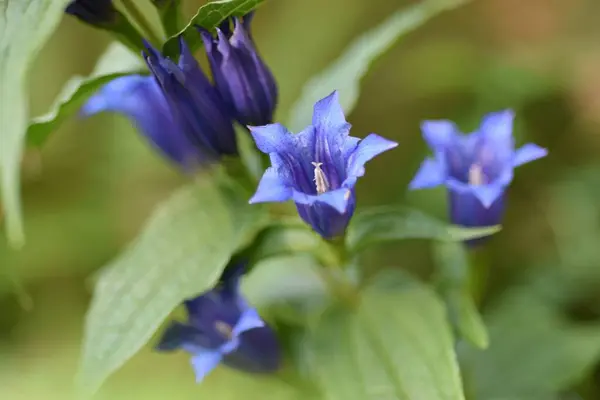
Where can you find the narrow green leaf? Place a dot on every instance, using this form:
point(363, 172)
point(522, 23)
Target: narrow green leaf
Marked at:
point(117, 61)
point(534, 351)
point(396, 345)
point(209, 16)
point(347, 71)
point(284, 278)
point(453, 282)
point(25, 25)
point(390, 223)
point(170, 15)
point(180, 253)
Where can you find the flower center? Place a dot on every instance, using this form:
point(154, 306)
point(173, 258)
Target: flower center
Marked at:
point(476, 175)
point(224, 329)
point(320, 179)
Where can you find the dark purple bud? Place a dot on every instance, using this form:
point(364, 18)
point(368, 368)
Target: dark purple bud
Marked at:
point(94, 12)
point(240, 75)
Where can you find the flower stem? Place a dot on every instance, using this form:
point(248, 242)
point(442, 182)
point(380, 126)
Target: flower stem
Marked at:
point(140, 19)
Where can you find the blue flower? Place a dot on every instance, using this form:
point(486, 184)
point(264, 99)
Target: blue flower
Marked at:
point(240, 75)
point(476, 168)
point(195, 103)
point(222, 327)
point(176, 109)
point(141, 99)
point(94, 12)
point(318, 167)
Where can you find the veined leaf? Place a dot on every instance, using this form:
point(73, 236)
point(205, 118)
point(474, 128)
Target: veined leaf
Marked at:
point(180, 253)
point(25, 25)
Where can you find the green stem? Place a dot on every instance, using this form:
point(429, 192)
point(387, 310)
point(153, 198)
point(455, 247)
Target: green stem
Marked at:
point(479, 270)
point(141, 21)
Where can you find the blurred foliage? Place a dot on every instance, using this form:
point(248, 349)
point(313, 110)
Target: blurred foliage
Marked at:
point(88, 191)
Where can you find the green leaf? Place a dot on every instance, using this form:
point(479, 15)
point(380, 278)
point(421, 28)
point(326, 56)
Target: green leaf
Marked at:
point(283, 279)
point(209, 16)
point(534, 351)
point(25, 25)
point(347, 71)
point(396, 345)
point(453, 272)
point(180, 253)
point(390, 223)
point(116, 61)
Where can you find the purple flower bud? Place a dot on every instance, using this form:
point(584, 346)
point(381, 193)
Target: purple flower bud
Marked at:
point(476, 168)
point(94, 12)
point(221, 327)
point(240, 75)
point(318, 167)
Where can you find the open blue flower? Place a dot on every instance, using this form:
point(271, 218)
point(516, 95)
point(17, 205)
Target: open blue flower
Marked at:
point(242, 78)
point(222, 327)
point(94, 12)
point(318, 167)
point(476, 168)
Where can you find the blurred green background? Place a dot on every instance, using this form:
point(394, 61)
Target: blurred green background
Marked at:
point(89, 190)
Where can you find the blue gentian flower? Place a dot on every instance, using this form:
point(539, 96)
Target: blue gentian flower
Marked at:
point(94, 12)
point(176, 109)
point(194, 102)
point(240, 75)
point(476, 168)
point(318, 167)
point(222, 327)
point(141, 99)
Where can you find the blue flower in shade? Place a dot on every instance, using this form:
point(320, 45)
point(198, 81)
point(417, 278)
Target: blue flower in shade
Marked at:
point(194, 102)
point(222, 327)
point(476, 168)
point(318, 167)
point(94, 12)
point(240, 75)
point(141, 99)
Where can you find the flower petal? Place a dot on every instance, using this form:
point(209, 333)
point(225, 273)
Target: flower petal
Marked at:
point(498, 125)
point(527, 153)
point(205, 361)
point(328, 114)
point(367, 149)
point(177, 335)
point(430, 174)
point(439, 134)
point(338, 199)
point(487, 194)
point(272, 138)
point(248, 320)
point(271, 188)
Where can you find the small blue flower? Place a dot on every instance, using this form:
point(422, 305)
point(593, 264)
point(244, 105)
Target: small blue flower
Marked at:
point(240, 75)
point(141, 99)
point(317, 167)
point(195, 103)
point(94, 12)
point(476, 168)
point(222, 327)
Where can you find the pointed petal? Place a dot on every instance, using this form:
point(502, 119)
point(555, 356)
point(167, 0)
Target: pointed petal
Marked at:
point(439, 134)
point(248, 320)
point(430, 174)
point(271, 188)
point(498, 125)
point(205, 361)
point(367, 148)
point(176, 335)
point(338, 199)
point(487, 194)
point(328, 113)
point(527, 153)
point(271, 138)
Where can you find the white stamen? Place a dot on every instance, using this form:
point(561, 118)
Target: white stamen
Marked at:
point(224, 329)
point(320, 179)
point(476, 175)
